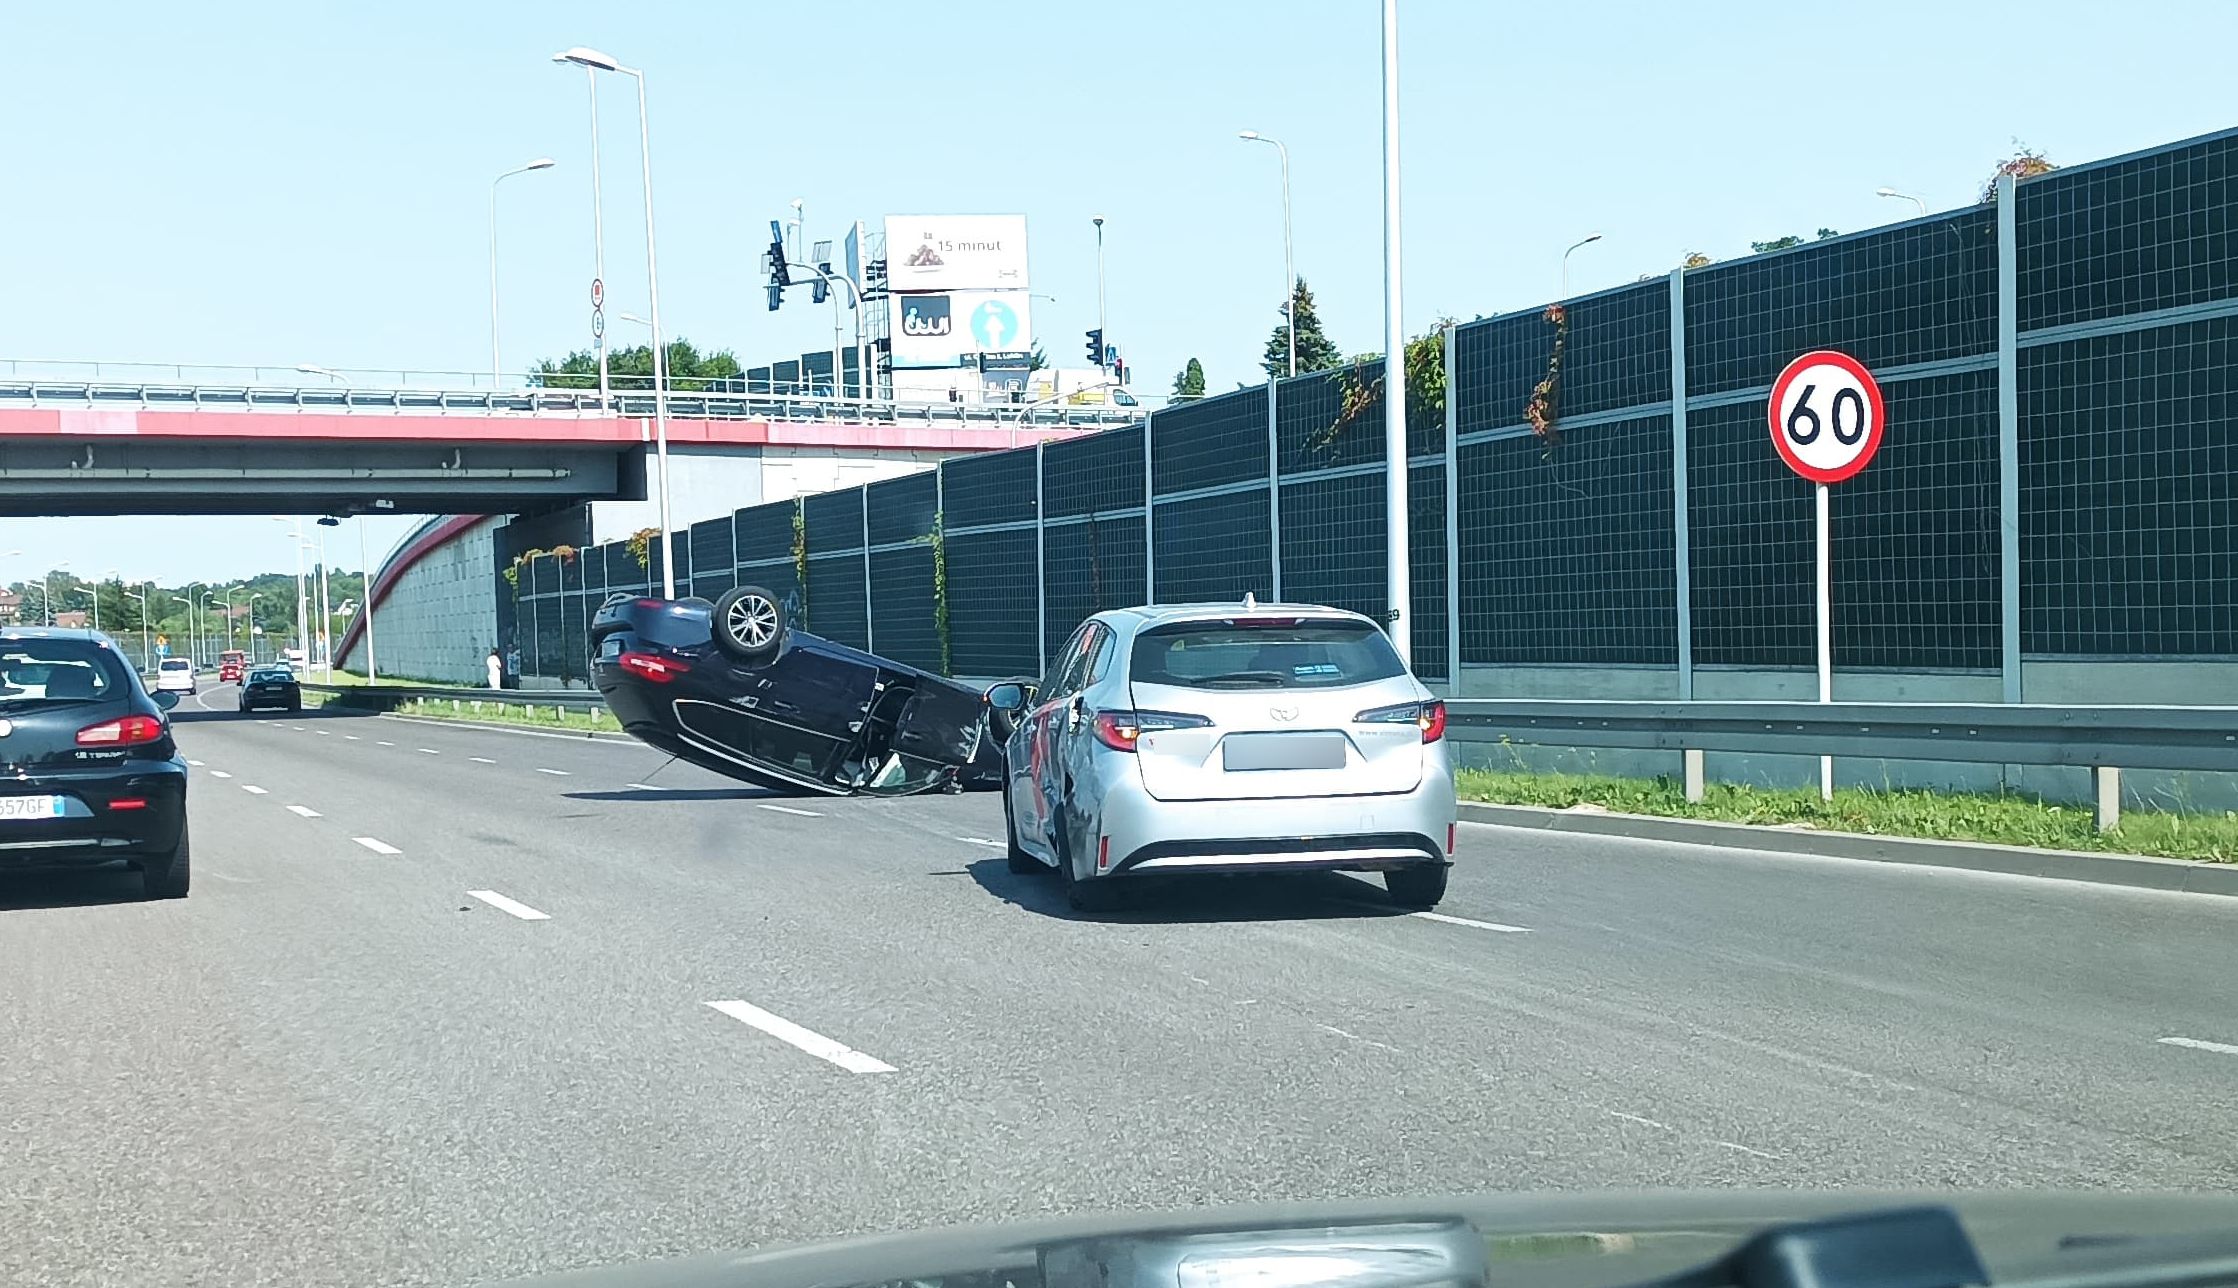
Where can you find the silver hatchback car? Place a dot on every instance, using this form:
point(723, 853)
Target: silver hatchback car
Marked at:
point(1187, 738)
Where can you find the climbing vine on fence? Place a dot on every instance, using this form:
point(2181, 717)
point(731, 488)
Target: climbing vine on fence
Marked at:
point(938, 538)
point(800, 553)
point(640, 546)
point(1424, 363)
point(1540, 411)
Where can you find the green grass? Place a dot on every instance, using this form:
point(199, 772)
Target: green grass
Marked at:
point(2001, 818)
point(349, 678)
point(598, 719)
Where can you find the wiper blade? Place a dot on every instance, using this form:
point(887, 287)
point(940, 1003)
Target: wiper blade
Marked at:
point(1915, 1247)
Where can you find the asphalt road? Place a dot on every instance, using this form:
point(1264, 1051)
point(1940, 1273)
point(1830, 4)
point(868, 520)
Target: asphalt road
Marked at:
point(337, 1064)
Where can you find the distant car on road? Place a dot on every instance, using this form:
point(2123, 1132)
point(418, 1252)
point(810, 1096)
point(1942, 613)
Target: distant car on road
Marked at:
point(1193, 738)
point(727, 686)
point(231, 666)
point(271, 686)
point(89, 773)
point(175, 675)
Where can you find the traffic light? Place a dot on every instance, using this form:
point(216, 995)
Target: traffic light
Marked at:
point(1095, 345)
point(776, 297)
point(780, 274)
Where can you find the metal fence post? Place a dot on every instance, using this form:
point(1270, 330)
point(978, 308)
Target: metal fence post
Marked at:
point(1149, 513)
point(870, 613)
point(2008, 438)
point(1041, 564)
point(1274, 488)
point(1681, 536)
point(1452, 523)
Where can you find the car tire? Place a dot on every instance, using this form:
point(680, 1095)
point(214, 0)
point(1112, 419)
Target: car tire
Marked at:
point(1419, 888)
point(1021, 863)
point(296, 705)
point(749, 623)
point(1094, 894)
point(167, 876)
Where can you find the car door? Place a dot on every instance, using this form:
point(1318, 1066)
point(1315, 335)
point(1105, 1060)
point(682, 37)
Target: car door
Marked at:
point(1031, 802)
point(1074, 758)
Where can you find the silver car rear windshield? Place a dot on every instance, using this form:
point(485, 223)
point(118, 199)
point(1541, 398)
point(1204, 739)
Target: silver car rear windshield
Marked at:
point(1264, 653)
point(58, 671)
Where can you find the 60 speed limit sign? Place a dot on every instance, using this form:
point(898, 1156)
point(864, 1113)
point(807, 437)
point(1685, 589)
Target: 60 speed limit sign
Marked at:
point(1827, 416)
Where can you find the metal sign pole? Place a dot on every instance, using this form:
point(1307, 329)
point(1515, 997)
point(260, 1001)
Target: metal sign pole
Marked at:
point(1825, 626)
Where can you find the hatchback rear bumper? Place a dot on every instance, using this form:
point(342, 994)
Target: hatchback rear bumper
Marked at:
point(1142, 835)
point(97, 832)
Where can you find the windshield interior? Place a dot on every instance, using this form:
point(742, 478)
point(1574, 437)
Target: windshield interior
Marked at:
point(1273, 655)
point(57, 671)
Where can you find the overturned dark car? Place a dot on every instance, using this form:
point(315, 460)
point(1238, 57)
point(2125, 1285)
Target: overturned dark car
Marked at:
point(730, 687)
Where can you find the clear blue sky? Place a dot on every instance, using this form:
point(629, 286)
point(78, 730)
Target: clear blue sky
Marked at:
point(283, 183)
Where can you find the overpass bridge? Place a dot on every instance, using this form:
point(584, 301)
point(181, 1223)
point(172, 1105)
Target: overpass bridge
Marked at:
point(101, 443)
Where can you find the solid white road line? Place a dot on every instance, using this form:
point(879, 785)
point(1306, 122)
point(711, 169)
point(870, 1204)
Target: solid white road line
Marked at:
point(2196, 1044)
point(481, 760)
point(1742, 1149)
point(377, 845)
point(219, 773)
point(503, 904)
point(1478, 925)
point(304, 811)
point(252, 789)
point(815, 1044)
point(787, 809)
point(556, 773)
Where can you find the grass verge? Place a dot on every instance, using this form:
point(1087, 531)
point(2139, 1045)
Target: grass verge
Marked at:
point(1999, 818)
point(596, 720)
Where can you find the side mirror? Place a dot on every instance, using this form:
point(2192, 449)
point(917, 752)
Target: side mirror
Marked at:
point(166, 700)
point(1008, 696)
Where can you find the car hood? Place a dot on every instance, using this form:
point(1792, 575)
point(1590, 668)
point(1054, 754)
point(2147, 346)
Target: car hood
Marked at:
point(1598, 1240)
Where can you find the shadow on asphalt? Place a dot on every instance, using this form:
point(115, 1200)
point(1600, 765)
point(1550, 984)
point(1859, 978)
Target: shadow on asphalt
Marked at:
point(1303, 896)
point(185, 714)
point(680, 794)
point(69, 888)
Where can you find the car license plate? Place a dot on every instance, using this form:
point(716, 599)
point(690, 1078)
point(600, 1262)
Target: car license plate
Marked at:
point(1282, 751)
point(23, 807)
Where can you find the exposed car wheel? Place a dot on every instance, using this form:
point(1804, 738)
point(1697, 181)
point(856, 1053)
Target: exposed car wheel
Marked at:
point(749, 623)
point(166, 876)
point(1022, 863)
point(1419, 887)
point(1093, 894)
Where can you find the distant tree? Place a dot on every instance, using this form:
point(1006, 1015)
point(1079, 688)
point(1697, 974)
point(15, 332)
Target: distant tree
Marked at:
point(1315, 350)
point(1695, 259)
point(2025, 163)
point(1040, 359)
point(1777, 243)
point(1825, 233)
point(632, 368)
point(1189, 382)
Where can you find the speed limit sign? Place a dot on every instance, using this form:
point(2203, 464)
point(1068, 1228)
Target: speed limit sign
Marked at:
point(1827, 416)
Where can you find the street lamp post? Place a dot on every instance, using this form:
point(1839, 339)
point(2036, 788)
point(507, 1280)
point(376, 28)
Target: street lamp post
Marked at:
point(1103, 349)
point(302, 609)
point(598, 278)
point(365, 593)
point(146, 648)
point(1397, 575)
point(1587, 240)
point(194, 636)
point(1901, 196)
point(1289, 265)
point(591, 58)
point(497, 366)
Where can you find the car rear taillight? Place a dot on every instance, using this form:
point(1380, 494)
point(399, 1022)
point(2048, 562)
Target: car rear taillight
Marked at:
point(131, 731)
point(1452, 838)
point(1121, 730)
point(648, 666)
point(1429, 717)
point(129, 802)
point(652, 603)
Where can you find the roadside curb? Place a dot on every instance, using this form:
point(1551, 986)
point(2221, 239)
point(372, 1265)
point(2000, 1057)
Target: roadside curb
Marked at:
point(2189, 876)
point(492, 726)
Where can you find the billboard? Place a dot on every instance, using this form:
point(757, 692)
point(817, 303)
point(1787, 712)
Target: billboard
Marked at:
point(949, 328)
point(955, 252)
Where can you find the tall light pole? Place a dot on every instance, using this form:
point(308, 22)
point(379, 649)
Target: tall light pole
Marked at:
point(1397, 575)
point(194, 637)
point(1587, 240)
point(254, 596)
point(1901, 196)
point(591, 58)
point(365, 595)
point(1289, 265)
point(301, 608)
point(321, 640)
point(497, 365)
point(1103, 347)
point(146, 648)
point(598, 288)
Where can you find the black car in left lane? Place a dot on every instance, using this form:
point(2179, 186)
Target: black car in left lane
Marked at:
point(89, 772)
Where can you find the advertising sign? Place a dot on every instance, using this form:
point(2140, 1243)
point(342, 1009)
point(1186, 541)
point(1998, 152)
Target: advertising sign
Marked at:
point(947, 329)
point(955, 252)
point(1003, 375)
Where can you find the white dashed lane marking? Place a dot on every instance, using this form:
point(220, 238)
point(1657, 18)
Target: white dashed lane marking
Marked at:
point(376, 844)
point(429, 751)
point(787, 809)
point(815, 1044)
point(252, 789)
point(384, 744)
point(2201, 1044)
point(219, 773)
point(1474, 925)
point(481, 760)
point(304, 811)
point(557, 773)
point(196, 763)
point(514, 906)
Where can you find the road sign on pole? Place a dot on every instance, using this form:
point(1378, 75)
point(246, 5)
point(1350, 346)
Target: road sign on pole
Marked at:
point(1827, 418)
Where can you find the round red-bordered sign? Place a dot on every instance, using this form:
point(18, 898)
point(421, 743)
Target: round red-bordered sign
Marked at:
point(1827, 416)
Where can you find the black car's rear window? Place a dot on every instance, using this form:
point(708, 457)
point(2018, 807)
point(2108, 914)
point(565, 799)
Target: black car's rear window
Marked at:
point(1264, 654)
point(271, 675)
point(57, 670)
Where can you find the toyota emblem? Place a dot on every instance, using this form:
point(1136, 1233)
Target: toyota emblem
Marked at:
point(7, 727)
point(1283, 713)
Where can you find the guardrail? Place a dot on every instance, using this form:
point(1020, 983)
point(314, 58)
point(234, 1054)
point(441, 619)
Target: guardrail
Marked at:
point(2102, 739)
point(685, 404)
point(388, 697)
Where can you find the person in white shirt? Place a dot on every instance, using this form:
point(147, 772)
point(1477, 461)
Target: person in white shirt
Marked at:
point(496, 666)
